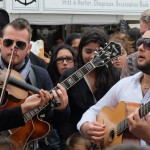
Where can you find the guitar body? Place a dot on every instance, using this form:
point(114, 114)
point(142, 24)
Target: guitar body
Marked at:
point(41, 129)
point(111, 117)
point(18, 138)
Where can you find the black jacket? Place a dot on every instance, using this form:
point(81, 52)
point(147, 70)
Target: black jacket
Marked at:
point(80, 99)
point(36, 60)
point(11, 118)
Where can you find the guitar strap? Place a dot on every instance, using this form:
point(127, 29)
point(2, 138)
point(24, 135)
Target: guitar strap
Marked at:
point(32, 77)
point(95, 146)
point(34, 144)
point(95, 101)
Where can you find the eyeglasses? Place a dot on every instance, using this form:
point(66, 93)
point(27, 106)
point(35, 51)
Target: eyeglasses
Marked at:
point(20, 44)
point(68, 59)
point(145, 42)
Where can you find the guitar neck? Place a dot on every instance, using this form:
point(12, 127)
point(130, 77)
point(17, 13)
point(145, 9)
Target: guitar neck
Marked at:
point(123, 125)
point(67, 83)
point(77, 76)
point(144, 109)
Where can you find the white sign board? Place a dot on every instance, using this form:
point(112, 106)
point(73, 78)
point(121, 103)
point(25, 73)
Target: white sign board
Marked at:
point(113, 7)
point(96, 6)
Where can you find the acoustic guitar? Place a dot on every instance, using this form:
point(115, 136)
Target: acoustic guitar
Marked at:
point(115, 120)
point(36, 128)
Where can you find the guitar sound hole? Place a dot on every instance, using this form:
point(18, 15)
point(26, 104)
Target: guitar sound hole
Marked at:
point(111, 135)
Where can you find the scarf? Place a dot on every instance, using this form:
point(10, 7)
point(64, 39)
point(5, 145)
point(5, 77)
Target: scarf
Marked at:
point(23, 68)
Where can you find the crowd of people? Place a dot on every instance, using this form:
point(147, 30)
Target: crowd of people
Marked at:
point(78, 105)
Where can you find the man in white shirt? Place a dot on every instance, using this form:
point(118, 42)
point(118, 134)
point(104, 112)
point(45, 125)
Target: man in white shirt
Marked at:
point(131, 89)
point(131, 67)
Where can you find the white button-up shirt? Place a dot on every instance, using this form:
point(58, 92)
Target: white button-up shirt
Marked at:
point(128, 89)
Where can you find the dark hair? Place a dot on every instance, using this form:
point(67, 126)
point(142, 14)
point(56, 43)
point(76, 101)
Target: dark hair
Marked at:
point(105, 76)
point(19, 24)
point(52, 67)
point(134, 35)
point(4, 19)
point(72, 37)
point(57, 36)
point(95, 35)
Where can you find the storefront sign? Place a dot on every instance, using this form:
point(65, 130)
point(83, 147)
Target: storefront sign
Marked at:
point(97, 6)
point(114, 7)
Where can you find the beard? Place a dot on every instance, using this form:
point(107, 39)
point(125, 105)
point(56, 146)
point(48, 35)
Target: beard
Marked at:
point(145, 68)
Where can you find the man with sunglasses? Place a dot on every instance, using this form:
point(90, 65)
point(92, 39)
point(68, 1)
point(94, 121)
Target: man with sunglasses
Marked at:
point(131, 90)
point(15, 40)
point(131, 67)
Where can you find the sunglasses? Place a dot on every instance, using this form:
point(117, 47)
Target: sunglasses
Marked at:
point(69, 59)
point(145, 42)
point(20, 44)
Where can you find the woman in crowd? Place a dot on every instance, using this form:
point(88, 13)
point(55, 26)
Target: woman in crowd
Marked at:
point(93, 86)
point(122, 39)
point(73, 40)
point(63, 57)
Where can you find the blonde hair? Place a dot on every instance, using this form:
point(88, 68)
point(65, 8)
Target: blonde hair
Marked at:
point(78, 139)
point(145, 16)
point(124, 40)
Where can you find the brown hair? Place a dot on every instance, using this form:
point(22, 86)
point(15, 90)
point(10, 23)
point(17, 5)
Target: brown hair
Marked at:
point(19, 24)
point(77, 138)
point(124, 40)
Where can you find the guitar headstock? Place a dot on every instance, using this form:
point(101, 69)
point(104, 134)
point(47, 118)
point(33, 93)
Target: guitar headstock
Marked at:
point(106, 54)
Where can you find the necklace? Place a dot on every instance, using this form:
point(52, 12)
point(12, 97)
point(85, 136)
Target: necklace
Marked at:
point(145, 87)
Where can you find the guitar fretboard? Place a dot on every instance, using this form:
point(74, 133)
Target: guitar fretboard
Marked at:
point(123, 125)
point(78, 75)
point(5, 134)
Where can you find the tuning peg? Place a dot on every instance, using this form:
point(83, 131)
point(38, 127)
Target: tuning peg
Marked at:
point(100, 49)
point(97, 49)
point(95, 52)
point(106, 65)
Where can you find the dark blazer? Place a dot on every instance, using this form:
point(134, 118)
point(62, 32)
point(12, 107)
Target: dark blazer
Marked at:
point(36, 60)
point(11, 118)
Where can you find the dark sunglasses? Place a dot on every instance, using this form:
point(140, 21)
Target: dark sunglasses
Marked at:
point(61, 59)
point(20, 44)
point(145, 42)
